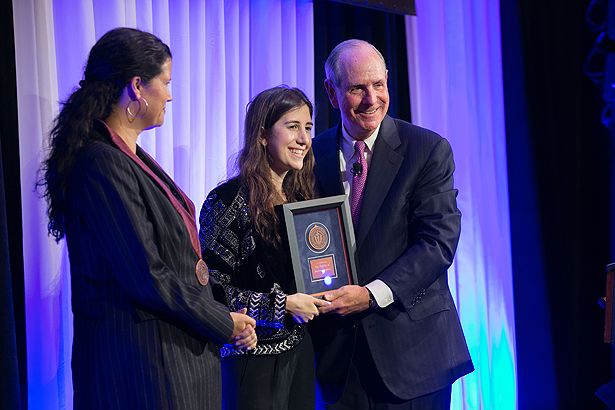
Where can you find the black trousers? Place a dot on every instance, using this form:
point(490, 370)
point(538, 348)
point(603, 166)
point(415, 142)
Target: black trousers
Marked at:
point(279, 382)
point(365, 389)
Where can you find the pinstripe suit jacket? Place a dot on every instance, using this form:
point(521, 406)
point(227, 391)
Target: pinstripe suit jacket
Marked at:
point(407, 237)
point(145, 330)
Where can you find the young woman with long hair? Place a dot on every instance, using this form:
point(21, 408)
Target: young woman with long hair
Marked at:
point(243, 241)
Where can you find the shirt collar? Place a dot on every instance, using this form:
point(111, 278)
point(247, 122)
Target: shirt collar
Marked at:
point(347, 143)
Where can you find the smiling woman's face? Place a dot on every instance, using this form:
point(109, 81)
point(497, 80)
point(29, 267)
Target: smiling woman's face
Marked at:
point(289, 140)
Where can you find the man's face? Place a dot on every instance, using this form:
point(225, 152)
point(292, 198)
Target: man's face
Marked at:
point(362, 95)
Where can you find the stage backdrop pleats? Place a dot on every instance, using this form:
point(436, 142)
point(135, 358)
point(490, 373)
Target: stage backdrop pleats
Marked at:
point(455, 72)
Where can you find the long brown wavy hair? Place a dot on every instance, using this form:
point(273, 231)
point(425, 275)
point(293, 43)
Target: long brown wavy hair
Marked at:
point(254, 170)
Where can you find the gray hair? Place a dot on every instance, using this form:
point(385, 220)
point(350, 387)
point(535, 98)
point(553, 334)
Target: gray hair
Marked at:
point(332, 65)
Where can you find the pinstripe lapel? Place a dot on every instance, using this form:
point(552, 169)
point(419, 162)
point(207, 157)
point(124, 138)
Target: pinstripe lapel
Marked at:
point(187, 215)
point(382, 171)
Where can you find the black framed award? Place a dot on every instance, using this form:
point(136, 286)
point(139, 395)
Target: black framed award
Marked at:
point(322, 244)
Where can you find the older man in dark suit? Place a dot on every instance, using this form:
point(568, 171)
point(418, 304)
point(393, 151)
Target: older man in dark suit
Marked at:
point(394, 341)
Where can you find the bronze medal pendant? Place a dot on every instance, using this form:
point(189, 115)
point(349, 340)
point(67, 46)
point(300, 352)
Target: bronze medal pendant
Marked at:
point(317, 237)
point(202, 272)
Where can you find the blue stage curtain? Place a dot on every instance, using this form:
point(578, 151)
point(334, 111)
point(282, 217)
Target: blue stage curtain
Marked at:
point(456, 89)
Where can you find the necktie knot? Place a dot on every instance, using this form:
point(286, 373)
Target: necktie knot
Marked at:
point(359, 146)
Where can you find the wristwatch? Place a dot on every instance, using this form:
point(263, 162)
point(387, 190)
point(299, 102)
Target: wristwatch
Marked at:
point(372, 301)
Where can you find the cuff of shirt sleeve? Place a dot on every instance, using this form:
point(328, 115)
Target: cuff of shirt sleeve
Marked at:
point(382, 292)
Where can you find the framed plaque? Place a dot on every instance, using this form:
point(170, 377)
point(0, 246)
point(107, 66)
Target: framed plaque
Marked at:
point(322, 244)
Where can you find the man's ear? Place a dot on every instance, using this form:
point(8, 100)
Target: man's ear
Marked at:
point(134, 88)
point(330, 88)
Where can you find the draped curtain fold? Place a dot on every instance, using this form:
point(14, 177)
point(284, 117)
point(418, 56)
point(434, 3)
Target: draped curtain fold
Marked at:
point(456, 88)
point(224, 52)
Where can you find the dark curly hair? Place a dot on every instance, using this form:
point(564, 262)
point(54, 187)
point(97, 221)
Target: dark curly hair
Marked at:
point(117, 56)
point(254, 170)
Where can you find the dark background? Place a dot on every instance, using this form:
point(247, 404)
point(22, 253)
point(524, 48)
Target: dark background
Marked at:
point(12, 313)
point(560, 184)
point(560, 174)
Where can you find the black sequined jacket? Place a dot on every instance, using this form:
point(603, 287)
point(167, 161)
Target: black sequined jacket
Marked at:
point(254, 274)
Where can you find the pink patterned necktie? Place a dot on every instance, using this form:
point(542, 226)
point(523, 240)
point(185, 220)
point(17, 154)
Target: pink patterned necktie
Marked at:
point(358, 181)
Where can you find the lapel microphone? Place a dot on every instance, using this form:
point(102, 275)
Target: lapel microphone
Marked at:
point(357, 169)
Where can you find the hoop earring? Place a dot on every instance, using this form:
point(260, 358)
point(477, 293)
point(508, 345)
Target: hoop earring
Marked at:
point(129, 114)
point(146, 107)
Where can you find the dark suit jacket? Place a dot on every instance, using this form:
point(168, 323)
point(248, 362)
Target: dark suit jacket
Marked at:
point(407, 236)
point(144, 328)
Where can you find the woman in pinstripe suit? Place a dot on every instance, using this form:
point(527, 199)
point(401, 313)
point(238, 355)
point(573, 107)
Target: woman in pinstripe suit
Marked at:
point(146, 328)
point(243, 241)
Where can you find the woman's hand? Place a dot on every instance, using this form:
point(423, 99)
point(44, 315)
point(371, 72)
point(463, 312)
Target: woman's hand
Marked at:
point(304, 308)
point(244, 334)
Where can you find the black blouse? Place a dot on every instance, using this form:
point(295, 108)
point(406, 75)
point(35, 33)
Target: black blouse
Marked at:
point(253, 273)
